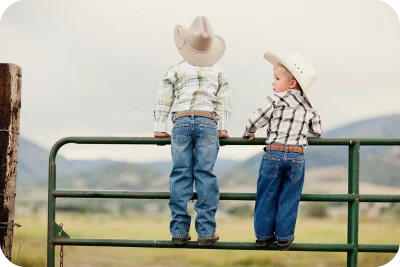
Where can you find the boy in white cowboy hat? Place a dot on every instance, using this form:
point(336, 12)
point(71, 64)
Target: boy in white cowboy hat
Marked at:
point(197, 95)
point(290, 119)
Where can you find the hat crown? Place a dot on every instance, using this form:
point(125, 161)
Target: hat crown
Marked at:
point(306, 74)
point(198, 44)
point(200, 34)
point(302, 64)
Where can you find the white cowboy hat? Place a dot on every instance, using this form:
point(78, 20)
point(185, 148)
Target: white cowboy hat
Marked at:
point(198, 45)
point(300, 68)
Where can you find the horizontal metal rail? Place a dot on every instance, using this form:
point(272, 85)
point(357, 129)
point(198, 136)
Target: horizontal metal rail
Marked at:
point(223, 196)
point(193, 244)
point(229, 141)
point(219, 245)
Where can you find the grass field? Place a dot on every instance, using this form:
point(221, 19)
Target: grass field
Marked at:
point(30, 242)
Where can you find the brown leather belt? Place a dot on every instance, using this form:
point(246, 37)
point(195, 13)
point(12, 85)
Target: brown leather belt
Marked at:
point(279, 147)
point(195, 113)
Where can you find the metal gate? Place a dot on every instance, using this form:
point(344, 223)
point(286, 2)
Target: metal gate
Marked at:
point(57, 237)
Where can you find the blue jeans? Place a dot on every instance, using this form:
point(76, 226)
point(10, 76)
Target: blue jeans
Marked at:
point(194, 146)
point(279, 187)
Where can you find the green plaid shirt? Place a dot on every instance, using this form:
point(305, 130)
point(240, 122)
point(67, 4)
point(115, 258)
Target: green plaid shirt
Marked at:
point(187, 87)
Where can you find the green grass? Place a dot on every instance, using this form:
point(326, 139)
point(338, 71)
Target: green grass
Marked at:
point(33, 248)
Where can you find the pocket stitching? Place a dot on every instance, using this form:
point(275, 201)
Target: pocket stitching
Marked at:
point(183, 133)
point(274, 167)
point(181, 125)
point(294, 161)
point(208, 141)
point(208, 125)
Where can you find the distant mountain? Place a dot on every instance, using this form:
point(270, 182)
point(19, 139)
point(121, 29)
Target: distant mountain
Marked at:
point(384, 126)
point(118, 176)
point(33, 164)
point(88, 165)
point(375, 163)
point(378, 165)
point(221, 165)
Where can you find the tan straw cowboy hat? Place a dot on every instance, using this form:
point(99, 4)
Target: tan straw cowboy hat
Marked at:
point(198, 44)
point(298, 65)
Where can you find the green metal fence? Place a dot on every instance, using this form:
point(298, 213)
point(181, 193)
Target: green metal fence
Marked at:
point(56, 236)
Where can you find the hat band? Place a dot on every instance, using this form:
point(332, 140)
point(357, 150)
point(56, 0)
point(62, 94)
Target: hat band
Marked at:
point(188, 45)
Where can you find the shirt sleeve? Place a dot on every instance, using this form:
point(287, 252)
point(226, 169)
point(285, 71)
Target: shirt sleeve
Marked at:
point(164, 101)
point(223, 103)
point(260, 118)
point(314, 126)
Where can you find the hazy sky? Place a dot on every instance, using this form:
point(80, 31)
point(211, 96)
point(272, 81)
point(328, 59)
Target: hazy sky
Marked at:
point(92, 67)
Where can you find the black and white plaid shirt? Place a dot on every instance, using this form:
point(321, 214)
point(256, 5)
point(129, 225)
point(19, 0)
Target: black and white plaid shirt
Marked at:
point(289, 118)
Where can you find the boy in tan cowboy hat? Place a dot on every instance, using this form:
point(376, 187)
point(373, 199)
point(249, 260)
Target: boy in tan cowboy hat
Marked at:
point(290, 119)
point(197, 95)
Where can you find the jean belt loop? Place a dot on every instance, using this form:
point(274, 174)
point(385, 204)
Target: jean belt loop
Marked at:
point(269, 147)
point(286, 148)
point(173, 117)
point(192, 115)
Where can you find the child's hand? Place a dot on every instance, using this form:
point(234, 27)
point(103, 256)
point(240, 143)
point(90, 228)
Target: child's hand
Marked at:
point(223, 134)
point(251, 138)
point(161, 135)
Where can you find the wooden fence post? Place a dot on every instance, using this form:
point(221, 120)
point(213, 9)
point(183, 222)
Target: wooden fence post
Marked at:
point(10, 105)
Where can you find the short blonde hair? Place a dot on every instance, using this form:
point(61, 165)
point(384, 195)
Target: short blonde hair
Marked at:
point(286, 73)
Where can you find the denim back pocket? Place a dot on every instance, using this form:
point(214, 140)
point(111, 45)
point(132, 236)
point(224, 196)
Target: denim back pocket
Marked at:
point(180, 133)
point(208, 134)
point(297, 169)
point(270, 167)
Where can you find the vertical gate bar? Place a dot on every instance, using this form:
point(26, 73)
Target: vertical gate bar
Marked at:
point(51, 217)
point(353, 207)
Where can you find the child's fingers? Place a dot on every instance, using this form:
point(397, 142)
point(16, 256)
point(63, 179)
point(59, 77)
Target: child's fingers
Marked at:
point(251, 138)
point(161, 134)
point(223, 134)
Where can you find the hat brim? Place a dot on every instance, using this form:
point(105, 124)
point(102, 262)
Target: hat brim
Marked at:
point(199, 58)
point(275, 59)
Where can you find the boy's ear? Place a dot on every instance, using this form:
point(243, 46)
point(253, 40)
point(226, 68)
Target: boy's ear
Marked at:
point(293, 84)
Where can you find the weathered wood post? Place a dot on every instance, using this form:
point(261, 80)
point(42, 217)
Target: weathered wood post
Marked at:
point(10, 105)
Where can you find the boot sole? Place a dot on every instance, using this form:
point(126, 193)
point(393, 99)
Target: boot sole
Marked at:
point(179, 241)
point(264, 243)
point(207, 242)
point(286, 246)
